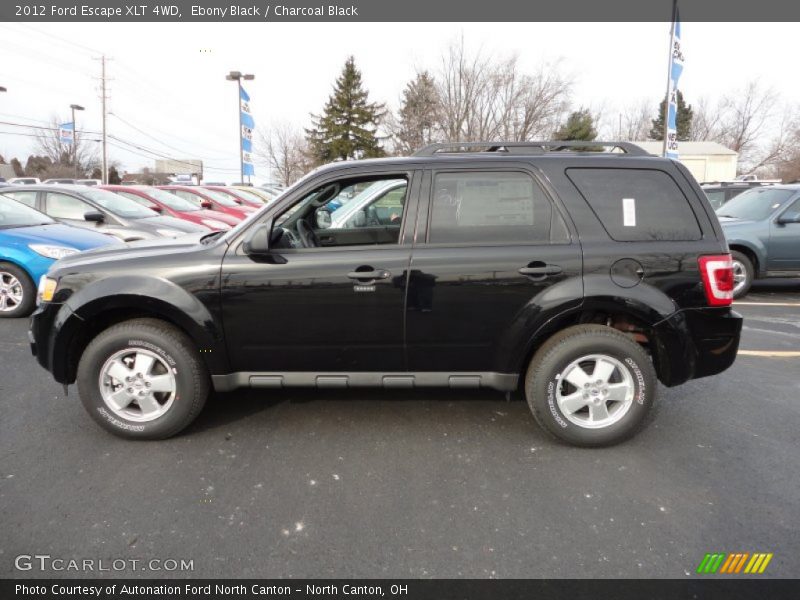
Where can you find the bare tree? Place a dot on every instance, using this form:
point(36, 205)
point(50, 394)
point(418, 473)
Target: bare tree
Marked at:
point(632, 123)
point(79, 159)
point(283, 149)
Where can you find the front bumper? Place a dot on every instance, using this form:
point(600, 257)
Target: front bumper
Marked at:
point(45, 325)
point(697, 343)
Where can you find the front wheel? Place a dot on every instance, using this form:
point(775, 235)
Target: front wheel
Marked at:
point(142, 379)
point(17, 292)
point(591, 385)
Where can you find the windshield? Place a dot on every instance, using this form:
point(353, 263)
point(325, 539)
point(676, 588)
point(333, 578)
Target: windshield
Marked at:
point(118, 205)
point(170, 200)
point(756, 204)
point(14, 214)
point(220, 198)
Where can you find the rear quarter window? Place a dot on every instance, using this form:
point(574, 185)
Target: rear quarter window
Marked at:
point(637, 205)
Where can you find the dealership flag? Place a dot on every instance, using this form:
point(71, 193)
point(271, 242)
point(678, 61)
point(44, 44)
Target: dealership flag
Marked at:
point(66, 133)
point(247, 132)
point(675, 70)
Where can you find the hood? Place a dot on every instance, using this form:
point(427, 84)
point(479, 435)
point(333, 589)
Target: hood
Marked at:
point(734, 221)
point(58, 234)
point(164, 222)
point(207, 213)
point(133, 250)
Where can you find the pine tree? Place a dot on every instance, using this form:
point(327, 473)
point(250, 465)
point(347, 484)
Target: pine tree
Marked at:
point(418, 115)
point(683, 120)
point(347, 127)
point(579, 127)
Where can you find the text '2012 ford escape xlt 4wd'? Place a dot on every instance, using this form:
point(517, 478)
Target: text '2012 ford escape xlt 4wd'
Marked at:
point(580, 273)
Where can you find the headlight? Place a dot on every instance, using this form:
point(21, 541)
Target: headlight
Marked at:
point(169, 232)
point(214, 224)
point(47, 289)
point(55, 252)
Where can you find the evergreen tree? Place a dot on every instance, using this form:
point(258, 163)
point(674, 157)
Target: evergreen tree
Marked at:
point(579, 127)
point(418, 115)
point(347, 127)
point(683, 124)
point(113, 176)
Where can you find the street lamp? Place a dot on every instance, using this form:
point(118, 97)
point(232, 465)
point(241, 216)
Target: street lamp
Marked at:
point(75, 107)
point(237, 76)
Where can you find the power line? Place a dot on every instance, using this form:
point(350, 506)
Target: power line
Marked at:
point(134, 127)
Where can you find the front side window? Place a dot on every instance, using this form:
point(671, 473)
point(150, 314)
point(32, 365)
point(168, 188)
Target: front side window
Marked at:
point(347, 213)
point(488, 207)
point(62, 206)
point(716, 198)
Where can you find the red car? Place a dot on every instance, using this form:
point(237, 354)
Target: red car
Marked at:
point(204, 198)
point(244, 198)
point(168, 203)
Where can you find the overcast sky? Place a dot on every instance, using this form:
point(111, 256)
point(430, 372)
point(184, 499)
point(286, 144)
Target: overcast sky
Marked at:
point(169, 94)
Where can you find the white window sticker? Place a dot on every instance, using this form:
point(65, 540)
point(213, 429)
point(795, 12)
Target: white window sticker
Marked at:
point(629, 212)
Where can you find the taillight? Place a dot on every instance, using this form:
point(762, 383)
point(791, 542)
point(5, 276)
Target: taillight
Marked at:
point(717, 273)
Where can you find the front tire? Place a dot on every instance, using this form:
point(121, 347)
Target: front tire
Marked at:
point(142, 379)
point(17, 292)
point(743, 274)
point(591, 385)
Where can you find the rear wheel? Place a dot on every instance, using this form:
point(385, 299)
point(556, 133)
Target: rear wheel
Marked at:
point(743, 274)
point(142, 379)
point(591, 385)
point(17, 292)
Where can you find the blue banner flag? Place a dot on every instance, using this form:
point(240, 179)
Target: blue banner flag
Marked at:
point(675, 70)
point(66, 133)
point(247, 132)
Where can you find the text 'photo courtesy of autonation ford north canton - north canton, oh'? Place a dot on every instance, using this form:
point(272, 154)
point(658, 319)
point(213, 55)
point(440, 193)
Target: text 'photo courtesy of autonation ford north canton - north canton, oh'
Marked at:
point(419, 300)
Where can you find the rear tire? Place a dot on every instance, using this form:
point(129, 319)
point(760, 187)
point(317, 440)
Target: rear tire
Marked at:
point(591, 385)
point(17, 292)
point(743, 274)
point(142, 379)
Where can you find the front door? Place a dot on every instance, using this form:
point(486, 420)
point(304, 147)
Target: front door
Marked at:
point(327, 298)
point(783, 253)
point(479, 278)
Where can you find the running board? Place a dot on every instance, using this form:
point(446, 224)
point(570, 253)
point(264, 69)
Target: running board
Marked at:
point(405, 380)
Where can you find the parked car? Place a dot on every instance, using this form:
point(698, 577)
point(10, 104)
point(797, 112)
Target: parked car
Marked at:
point(89, 182)
point(24, 181)
point(380, 203)
point(238, 196)
point(205, 198)
point(263, 195)
point(762, 226)
point(60, 180)
point(164, 202)
point(720, 192)
point(101, 211)
point(30, 242)
point(581, 278)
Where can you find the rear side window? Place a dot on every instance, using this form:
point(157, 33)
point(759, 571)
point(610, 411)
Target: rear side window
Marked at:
point(488, 207)
point(637, 205)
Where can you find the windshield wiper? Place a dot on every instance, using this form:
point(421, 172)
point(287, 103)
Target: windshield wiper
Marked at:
point(210, 236)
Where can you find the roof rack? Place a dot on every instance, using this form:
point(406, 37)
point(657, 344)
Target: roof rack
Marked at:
point(627, 148)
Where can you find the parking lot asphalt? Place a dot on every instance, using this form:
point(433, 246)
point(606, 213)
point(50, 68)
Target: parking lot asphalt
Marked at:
point(425, 483)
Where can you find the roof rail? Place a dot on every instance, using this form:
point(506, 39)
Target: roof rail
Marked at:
point(627, 148)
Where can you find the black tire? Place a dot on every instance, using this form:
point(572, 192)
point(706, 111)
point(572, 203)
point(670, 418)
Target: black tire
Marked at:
point(543, 384)
point(749, 273)
point(170, 347)
point(28, 303)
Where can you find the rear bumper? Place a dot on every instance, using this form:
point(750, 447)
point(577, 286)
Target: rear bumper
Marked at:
point(697, 343)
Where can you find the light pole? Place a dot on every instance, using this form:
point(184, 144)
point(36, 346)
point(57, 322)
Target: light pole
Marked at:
point(237, 76)
point(75, 107)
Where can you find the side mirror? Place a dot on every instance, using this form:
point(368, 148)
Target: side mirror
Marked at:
point(323, 218)
point(94, 216)
point(206, 204)
point(156, 208)
point(261, 238)
point(789, 217)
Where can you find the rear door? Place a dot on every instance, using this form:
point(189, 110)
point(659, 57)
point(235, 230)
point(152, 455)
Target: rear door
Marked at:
point(490, 244)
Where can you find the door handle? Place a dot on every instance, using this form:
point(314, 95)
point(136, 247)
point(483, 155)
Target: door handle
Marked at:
point(539, 269)
point(369, 275)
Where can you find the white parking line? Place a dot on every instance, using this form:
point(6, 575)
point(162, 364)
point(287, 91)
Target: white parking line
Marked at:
point(766, 303)
point(770, 353)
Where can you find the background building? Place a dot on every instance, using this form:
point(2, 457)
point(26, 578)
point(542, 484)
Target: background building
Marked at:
point(707, 161)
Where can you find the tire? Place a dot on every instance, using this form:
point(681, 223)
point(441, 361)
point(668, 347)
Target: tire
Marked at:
point(142, 379)
point(743, 268)
point(562, 358)
point(17, 292)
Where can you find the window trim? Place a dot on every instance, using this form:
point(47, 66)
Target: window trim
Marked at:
point(555, 211)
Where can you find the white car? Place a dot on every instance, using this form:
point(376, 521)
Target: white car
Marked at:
point(379, 204)
point(24, 181)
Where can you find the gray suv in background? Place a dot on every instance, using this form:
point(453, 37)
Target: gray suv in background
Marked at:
point(100, 210)
point(762, 226)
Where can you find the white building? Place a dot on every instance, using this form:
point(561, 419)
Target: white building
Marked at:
point(707, 161)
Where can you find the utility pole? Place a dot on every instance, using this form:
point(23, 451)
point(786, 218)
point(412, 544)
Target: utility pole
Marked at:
point(103, 99)
point(73, 108)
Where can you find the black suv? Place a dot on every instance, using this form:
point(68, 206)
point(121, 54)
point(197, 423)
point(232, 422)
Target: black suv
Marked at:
point(581, 274)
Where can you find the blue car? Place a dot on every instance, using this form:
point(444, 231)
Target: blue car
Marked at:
point(30, 242)
point(762, 226)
